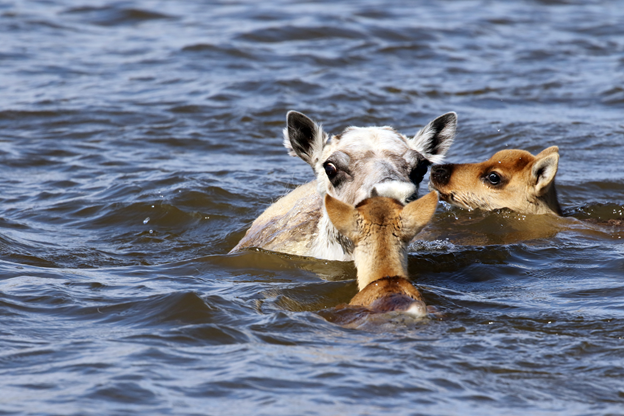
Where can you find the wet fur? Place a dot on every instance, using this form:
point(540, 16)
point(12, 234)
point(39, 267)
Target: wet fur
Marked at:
point(388, 294)
point(371, 161)
point(381, 229)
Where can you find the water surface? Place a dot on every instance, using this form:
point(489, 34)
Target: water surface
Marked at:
point(139, 139)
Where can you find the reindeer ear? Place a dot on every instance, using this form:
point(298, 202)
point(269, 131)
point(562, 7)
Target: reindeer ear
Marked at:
point(417, 214)
point(343, 216)
point(435, 139)
point(547, 151)
point(303, 137)
point(544, 169)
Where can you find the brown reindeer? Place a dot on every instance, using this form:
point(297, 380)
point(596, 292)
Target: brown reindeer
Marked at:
point(381, 229)
point(513, 179)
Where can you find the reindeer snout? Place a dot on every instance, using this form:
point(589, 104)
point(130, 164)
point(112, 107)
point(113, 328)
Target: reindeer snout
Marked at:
point(399, 190)
point(440, 174)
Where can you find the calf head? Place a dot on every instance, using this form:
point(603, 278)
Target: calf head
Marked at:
point(513, 179)
point(371, 161)
point(380, 228)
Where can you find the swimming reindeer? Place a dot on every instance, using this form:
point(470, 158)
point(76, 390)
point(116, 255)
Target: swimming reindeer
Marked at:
point(359, 163)
point(381, 229)
point(512, 178)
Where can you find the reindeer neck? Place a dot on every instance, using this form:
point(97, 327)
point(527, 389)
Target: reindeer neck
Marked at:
point(375, 261)
point(551, 200)
point(329, 243)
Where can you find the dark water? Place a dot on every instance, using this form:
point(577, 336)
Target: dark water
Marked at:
point(139, 139)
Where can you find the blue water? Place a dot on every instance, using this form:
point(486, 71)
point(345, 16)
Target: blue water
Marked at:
point(139, 140)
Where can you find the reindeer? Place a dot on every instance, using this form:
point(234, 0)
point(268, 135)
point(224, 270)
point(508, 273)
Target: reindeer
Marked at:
point(512, 178)
point(381, 229)
point(359, 163)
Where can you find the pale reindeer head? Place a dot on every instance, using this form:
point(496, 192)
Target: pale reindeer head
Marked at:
point(363, 162)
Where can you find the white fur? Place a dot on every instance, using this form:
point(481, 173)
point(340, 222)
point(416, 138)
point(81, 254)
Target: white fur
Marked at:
point(395, 189)
point(379, 163)
point(326, 245)
point(421, 140)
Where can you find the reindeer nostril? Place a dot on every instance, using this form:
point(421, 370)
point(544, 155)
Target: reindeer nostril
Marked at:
point(440, 174)
point(412, 197)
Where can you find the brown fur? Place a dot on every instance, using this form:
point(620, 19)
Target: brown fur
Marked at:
point(526, 182)
point(380, 229)
point(387, 294)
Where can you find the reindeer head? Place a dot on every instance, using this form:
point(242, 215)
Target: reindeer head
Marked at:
point(381, 229)
point(512, 178)
point(363, 162)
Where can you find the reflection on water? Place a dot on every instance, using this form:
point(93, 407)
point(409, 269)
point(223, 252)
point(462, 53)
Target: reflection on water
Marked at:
point(140, 139)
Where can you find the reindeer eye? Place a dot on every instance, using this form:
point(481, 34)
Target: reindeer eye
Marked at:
point(416, 175)
point(494, 178)
point(330, 169)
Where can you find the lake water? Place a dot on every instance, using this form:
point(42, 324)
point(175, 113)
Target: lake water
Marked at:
point(139, 140)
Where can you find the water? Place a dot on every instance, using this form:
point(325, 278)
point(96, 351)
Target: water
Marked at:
point(139, 139)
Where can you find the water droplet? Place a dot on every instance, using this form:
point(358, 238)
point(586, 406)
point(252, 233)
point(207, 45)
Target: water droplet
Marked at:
point(146, 220)
point(206, 218)
point(151, 231)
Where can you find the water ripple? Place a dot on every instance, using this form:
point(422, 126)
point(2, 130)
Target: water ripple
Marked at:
point(113, 113)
